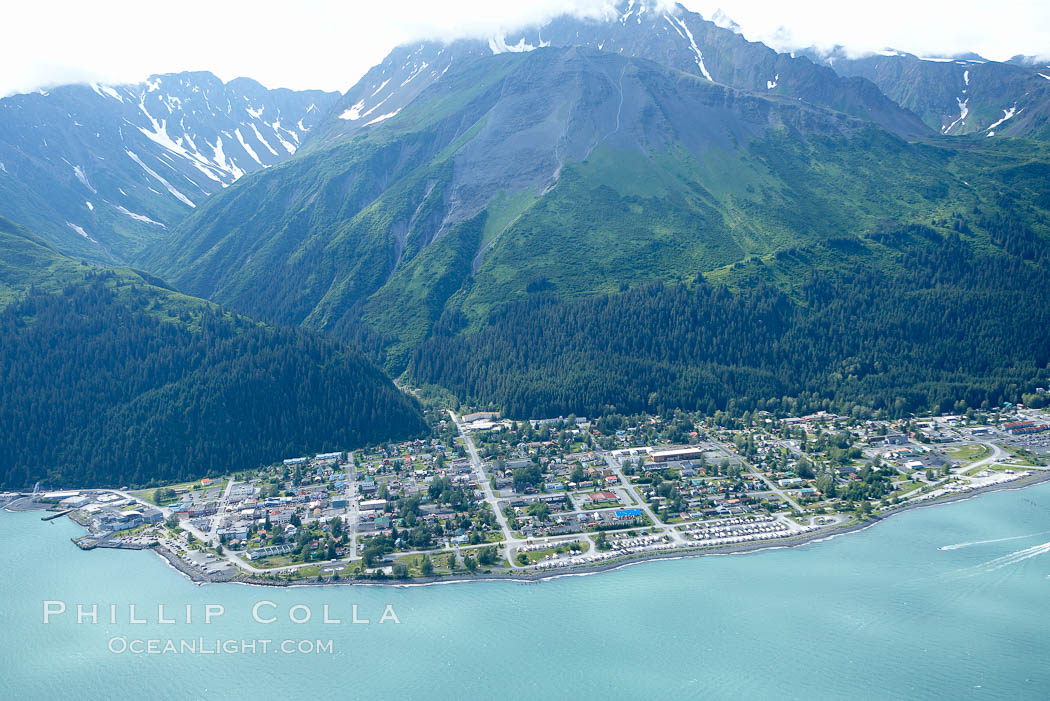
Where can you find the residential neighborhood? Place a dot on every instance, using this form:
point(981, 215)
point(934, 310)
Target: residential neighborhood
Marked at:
point(486, 495)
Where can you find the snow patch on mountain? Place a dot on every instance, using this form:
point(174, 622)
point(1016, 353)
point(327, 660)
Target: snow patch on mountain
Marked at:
point(288, 146)
point(248, 149)
point(770, 84)
point(963, 111)
point(80, 230)
point(1007, 114)
point(354, 112)
point(137, 217)
point(79, 173)
point(168, 186)
point(383, 117)
point(676, 23)
point(106, 91)
point(419, 69)
point(224, 162)
point(261, 139)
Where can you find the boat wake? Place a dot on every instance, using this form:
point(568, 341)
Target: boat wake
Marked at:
point(959, 546)
point(1007, 560)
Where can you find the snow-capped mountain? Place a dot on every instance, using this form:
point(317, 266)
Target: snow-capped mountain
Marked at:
point(101, 170)
point(958, 95)
point(673, 37)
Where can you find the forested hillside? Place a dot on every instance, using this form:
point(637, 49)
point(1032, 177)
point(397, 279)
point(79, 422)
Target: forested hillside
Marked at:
point(909, 319)
point(114, 382)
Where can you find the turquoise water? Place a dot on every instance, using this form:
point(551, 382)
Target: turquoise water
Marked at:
point(881, 614)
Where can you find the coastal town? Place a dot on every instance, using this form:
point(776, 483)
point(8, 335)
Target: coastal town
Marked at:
point(486, 496)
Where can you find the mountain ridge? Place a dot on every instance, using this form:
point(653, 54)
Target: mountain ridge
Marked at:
point(101, 171)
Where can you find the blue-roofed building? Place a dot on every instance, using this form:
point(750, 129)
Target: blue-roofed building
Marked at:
point(628, 513)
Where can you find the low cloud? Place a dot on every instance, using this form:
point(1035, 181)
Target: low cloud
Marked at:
point(329, 45)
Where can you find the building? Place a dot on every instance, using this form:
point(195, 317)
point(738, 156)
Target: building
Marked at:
point(57, 496)
point(890, 439)
point(677, 454)
point(270, 551)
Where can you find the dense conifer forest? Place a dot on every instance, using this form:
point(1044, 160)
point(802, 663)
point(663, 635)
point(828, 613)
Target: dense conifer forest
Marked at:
point(929, 322)
point(110, 383)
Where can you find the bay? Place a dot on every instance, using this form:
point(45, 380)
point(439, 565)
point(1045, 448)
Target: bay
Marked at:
point(949, 601)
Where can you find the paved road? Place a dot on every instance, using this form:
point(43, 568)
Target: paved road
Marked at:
point(486, 488)
point(614, 465)
point(220, 512)
point(772, 485)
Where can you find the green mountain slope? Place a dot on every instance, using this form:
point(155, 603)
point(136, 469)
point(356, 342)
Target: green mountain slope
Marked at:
point(26, 260)
point(567, 169)
point(108, 379)
point(522, 189)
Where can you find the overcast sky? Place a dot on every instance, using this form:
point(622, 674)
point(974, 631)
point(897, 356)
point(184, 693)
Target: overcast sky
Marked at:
point(316, 44)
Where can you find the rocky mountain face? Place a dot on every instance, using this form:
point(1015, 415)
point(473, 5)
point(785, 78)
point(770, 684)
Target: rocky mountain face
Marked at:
point(673, 37)
point(102, 171)
point(964, 95)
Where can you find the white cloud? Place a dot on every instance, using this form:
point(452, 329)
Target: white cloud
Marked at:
point(328, 45)
point(995, 30)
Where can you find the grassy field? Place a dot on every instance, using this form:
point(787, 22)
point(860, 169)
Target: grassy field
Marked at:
point(968, 453)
